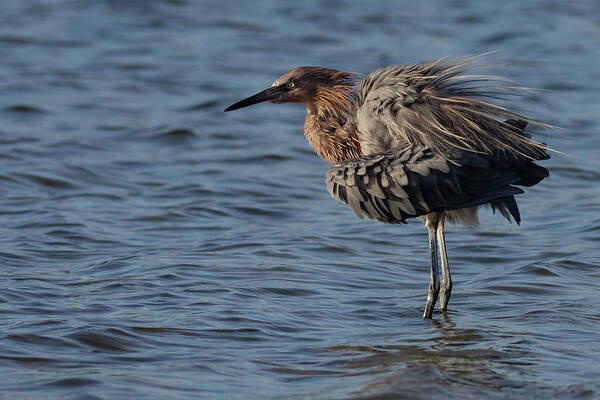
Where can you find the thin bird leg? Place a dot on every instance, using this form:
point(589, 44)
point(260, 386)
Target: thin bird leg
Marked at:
point(446, 288)
point(434, 282)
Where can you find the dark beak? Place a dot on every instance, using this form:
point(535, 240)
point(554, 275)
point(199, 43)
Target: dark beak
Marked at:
point(269, 94)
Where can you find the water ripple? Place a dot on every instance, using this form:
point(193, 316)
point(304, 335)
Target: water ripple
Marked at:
point(153, 246)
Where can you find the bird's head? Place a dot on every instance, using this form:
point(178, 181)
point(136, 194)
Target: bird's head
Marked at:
point(298, 85)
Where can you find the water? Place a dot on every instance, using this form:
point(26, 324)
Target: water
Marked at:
point(154, 247)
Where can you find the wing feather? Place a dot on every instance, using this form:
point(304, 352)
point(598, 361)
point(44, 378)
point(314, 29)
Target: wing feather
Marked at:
point(413, 181)
point(437, 106)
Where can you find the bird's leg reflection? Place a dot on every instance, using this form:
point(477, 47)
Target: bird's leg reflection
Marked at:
point(446, 288)
point(444, 325)
point(434, 281)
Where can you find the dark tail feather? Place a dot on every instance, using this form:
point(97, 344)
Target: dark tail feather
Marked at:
point(512, 207)
point(507, 206)
point(531, 174)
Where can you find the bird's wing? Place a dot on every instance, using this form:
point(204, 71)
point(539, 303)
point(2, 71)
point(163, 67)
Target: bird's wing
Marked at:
point(414, 181)
point(439, 106)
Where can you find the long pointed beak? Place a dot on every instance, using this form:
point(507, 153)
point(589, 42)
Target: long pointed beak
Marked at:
point(269, 94)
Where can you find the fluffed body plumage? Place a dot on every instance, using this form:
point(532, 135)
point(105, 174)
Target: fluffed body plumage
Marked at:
point(414, 141)
point(424, 121)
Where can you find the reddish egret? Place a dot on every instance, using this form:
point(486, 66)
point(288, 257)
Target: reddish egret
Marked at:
point(421, 140)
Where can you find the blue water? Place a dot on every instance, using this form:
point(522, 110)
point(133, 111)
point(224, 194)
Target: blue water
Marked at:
point(152, 246)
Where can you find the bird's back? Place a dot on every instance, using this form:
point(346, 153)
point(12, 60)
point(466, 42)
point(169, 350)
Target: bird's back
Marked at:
point(435, 105)
point(429, 143)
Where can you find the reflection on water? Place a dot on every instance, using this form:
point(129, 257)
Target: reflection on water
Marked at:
point(154, 247)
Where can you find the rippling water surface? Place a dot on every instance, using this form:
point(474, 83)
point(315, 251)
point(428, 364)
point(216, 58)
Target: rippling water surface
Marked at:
point(152, 246)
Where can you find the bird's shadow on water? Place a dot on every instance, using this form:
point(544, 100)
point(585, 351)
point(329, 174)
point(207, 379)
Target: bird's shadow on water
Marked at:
point(445, 359)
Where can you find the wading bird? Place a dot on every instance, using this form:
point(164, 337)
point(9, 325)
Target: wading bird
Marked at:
point(421, 140)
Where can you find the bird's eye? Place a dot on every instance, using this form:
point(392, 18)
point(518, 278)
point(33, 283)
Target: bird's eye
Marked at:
point(290, 85)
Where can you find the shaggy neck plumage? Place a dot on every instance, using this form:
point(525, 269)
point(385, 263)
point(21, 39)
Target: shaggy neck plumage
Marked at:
point(327, 127)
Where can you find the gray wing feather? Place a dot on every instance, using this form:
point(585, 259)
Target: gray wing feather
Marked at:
point(437, 105)
point(413, 181)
